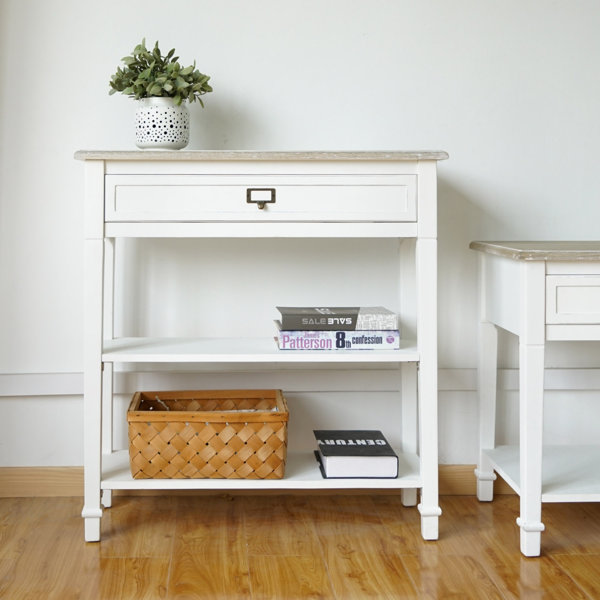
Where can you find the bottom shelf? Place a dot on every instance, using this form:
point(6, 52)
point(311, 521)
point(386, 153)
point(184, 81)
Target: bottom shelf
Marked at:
point(301, 472)
point(569, 473)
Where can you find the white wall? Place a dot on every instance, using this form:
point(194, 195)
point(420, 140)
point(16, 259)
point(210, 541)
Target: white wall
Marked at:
point(509, 89)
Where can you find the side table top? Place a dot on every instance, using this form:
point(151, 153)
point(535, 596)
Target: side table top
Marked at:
point(545, 250)
point(207, 155)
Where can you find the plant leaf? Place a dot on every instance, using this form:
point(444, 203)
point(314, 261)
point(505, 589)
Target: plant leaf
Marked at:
point(180, 83)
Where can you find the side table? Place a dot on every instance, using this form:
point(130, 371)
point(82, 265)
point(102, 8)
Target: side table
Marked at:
point(539, 291)
point(272, 197)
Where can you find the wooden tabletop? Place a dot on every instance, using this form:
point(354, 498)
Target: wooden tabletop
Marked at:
point(544, 250)
point(207, 155)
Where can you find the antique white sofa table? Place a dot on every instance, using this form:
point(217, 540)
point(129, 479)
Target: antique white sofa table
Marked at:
point(270, 196)
point(540, 291)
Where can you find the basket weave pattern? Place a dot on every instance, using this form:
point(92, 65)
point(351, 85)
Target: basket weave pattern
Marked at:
point(232, 438)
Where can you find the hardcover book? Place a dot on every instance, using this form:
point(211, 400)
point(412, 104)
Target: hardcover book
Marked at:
point(337, 318)
point(355, 453)
point(337, 340)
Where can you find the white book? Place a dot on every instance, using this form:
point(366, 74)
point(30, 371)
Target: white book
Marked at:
point(337, 340)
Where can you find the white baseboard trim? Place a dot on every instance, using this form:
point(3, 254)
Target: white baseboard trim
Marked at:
point(15, 385)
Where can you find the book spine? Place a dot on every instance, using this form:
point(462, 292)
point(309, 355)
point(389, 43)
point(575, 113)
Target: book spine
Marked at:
point(338, 340)
point(338, 319)
point(303, 322)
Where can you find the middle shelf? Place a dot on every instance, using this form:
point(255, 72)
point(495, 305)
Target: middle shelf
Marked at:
point(240, 350)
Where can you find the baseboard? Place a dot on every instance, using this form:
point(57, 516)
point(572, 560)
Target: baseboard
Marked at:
point(22, 482)
point(459, 480)
point(26, 482)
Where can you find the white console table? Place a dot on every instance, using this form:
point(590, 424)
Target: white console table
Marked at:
point(269, 195)
point(540, 291)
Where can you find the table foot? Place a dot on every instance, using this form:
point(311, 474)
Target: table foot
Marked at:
point(409, 497)
point(430, 521)
point(485, 485)
point(92, 517)
point(107, 498)
point(531, 537)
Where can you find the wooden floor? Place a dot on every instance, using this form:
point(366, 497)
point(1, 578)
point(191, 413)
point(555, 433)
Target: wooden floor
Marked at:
point(252, 547)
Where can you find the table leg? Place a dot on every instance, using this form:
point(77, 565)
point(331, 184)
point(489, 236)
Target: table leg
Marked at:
point(488, 369)
point(409, 422)
point(429, 509)
point(92, 388)
point(531, 403)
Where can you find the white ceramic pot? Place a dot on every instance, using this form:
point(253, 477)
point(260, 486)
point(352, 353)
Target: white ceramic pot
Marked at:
point(160, 123)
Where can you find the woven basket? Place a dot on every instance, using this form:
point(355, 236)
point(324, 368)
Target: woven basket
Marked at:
point(221, 434)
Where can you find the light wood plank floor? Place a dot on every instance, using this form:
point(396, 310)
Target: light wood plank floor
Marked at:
point(257, 547)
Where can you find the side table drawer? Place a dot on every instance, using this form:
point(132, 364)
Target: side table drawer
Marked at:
point(315, 197)
point(573, 299)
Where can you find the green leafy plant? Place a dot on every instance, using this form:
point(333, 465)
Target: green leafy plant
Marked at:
point(148, 73)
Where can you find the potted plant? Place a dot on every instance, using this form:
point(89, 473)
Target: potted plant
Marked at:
point(161, 86)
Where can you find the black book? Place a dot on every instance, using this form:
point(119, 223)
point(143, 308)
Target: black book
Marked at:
point(348, 318)
point(355, 453)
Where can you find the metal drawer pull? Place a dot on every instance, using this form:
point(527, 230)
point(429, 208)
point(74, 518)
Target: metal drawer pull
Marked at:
point(260, 196)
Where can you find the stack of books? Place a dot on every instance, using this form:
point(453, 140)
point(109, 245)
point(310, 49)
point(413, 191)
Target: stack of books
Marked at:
point(339, 328)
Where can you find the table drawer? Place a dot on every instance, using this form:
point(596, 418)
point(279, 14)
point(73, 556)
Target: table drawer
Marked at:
point(573, 299)
point(260, 198)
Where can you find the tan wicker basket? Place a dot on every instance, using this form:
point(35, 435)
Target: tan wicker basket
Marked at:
point(222, 434)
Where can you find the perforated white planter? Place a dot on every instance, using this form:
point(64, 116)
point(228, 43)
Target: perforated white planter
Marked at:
point(160, 123)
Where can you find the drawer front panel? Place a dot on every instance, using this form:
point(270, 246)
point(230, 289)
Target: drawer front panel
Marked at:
point(148, 198)
point(573, 299)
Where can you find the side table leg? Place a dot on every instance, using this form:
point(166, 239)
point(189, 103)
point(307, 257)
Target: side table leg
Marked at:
point(531, 407)
point(488, 368)
point(107, 421)
point(409, 422)
point(92, 388)
point(429, 508)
